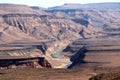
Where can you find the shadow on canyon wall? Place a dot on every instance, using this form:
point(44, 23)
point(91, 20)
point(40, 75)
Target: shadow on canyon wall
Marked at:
point(81, 21)
point(37, 62)
point(77, 57)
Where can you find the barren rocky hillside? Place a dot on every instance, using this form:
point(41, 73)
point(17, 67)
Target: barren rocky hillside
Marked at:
point(24, 23)
point(55, 24)
point(97, 23)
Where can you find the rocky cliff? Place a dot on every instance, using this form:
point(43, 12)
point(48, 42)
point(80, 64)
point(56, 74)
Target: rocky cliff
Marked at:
point(38, 62)
point(93, 53)
point(19, 56)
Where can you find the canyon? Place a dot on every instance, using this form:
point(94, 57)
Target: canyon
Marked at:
point(69, 36)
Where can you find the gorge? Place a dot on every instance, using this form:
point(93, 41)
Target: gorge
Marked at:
point(70, 36)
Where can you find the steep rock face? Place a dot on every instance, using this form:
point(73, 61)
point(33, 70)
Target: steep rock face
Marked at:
point(39, 27)
point(23, 57)
point(24, 63)
point(76, 54)
point(94, 53)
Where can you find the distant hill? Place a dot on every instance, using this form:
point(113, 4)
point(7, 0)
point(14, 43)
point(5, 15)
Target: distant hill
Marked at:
point(100, 19)
point(99, 6)
point(17, 8)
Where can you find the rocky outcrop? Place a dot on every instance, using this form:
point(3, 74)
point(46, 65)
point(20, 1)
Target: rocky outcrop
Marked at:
point(76, 54)
point(38, 62)
point(23, 56)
